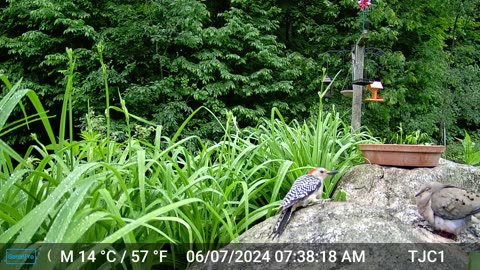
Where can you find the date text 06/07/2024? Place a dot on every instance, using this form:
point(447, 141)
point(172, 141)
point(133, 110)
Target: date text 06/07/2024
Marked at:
point(278, 256)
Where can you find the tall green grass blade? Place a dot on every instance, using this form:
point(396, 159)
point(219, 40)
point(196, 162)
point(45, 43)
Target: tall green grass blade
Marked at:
point(10, 101)
point(25, 228)
point(281, 177)
point(5, 148)
point(141, 176)
point(6, 81)
point(63, 219)
point(22, 107)
point(145, 219)
point(7, 186)
point(67, 103)
point(43, 115)
point(79, 226)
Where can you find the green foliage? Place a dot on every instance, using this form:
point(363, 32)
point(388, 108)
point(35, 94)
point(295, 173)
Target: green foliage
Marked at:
point(454, 152)
point(98, 190)
point(325, 140)
point(168, 58)
point(430, 89)
point(414, 48)
point(462, 99)
point(171, 56)
point(473, 260)
point(416, 137)
point(471, 154)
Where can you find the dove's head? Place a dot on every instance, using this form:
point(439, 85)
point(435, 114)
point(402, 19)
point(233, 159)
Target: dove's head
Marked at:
point(431, 187)
point(423, 196)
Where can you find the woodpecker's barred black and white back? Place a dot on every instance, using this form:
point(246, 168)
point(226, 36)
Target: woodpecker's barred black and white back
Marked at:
point(303, 187)
point(307, 188)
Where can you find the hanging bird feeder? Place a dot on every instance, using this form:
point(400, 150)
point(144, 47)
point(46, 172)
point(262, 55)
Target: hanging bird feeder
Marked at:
point(326, 82)
point(374, 87)
point(362, 82)
point(347, 92)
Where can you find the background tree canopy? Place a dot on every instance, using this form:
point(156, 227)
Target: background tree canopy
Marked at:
point(167, 58)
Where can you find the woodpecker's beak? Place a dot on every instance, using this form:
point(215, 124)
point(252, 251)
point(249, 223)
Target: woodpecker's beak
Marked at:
point(332, 172)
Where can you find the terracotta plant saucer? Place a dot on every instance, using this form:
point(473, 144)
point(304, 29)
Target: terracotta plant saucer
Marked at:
point(402, 155)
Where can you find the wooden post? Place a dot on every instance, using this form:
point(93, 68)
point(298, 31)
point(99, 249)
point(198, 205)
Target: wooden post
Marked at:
point(358, 53)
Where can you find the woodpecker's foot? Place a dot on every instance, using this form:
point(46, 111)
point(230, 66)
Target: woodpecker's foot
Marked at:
point(272, 235)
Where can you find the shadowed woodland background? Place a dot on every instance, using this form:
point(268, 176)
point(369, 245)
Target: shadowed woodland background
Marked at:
point(187, 121)
point(167, 58)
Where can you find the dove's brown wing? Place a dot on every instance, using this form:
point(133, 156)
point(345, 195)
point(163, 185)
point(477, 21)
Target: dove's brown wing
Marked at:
point(455, 203)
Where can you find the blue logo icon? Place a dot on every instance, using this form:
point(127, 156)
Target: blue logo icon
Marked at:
point(21, 256)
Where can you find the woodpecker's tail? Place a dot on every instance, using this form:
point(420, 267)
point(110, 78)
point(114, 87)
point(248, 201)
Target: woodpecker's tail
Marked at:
point(282, 222)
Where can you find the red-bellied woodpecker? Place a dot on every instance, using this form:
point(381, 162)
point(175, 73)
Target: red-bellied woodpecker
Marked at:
point(447, 208)
point(306, 190)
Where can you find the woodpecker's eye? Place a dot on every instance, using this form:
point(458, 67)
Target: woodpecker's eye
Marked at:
point(322, 171)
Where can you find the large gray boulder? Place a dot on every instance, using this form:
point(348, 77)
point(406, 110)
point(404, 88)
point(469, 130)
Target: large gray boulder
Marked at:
point(380, 208)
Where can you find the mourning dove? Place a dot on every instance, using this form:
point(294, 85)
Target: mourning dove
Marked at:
point(447, 208)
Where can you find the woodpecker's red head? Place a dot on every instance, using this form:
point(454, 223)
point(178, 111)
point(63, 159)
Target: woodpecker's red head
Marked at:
point(321, 173)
